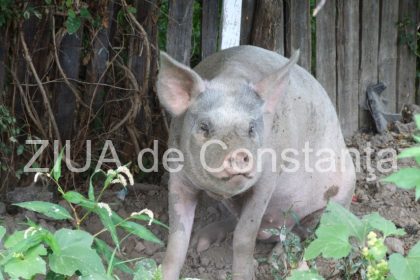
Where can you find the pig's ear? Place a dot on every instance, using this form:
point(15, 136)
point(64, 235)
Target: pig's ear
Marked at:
point(272, 87)
point(177, 85)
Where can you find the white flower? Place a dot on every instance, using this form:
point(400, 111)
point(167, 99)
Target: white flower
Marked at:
point(40, 174)
point(28, 231)
point(126, 171)
point(120, 180)
point(144, 211)
point(105, 206)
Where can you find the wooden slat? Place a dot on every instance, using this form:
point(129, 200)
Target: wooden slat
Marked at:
point(326, 50)
point(406, 69)
point(209, 27)
point(268, 27)
point(387, 59)
point(300, 31)
point(231, 23)
point(369, 46)
point(178, 38)
point(348, 64)
point(248, 9)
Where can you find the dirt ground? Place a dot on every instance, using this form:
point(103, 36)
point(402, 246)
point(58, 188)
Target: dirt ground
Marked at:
point(215, 263)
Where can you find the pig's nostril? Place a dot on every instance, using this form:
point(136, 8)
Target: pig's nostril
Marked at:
point(246, 158)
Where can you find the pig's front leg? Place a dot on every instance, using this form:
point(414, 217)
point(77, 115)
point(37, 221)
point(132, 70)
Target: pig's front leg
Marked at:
point(246, 231)
point(182, 203)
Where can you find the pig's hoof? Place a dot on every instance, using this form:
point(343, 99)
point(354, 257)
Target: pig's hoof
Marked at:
point(213, 233)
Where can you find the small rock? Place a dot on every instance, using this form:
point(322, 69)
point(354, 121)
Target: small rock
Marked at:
point(158, 257)
point(205, 261)
point(139, 247)
point(30, 193)
point(222, 275)
point(151, 248)
point(201, 270)
point(394, 245)
point(303, 266)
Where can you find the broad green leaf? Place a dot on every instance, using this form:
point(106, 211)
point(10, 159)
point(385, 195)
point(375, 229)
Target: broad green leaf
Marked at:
point(136, 229)
point(103, 249)
point(76, 254)
point(406, 178)
point(56, 171)
point(410, 152)
point(77, 198)
point(146, 269)
point(108, 223)
point(337, 215)
point(417, 121)
point(146, 218)
point(96, 276)
point(407, 268)
point(27, 264)
point(48, 209)
point(304, 275)
point(332, 242)
point(73, 22)
point(378, 222)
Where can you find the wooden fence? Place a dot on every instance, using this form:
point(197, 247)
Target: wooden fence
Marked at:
point(350, 45)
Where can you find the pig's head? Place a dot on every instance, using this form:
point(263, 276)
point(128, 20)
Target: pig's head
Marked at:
point(221, 123)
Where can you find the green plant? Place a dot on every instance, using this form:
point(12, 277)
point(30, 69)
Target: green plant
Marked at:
point(69, 252)
point(9, 145)
point(352, 241)
point(409, 178)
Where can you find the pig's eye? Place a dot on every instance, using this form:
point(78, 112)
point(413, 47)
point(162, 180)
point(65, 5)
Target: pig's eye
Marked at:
point(251, 130)
point(204, 128)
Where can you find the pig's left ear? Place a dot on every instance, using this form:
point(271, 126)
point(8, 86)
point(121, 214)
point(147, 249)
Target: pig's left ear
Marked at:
point(177, 85)
point(272, 87)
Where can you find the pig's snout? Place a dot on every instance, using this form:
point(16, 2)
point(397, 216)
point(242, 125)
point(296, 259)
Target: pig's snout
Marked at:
point(239, 162)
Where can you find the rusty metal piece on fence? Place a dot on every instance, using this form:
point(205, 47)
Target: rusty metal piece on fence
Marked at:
point(376, 104)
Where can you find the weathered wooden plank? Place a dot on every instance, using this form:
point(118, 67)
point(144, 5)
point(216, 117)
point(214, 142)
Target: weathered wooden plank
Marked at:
point(178, 38)
point(248, 10)
point(231, 23)
point(268, 27)
point(406, 69)
point(326, 50)
point(369, 46)
point(387, 58)
point(209, 27)
point(3, 51)
point(348, 65)
point(300, 31)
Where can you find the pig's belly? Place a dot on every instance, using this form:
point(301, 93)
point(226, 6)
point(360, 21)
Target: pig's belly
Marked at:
point(301, 193)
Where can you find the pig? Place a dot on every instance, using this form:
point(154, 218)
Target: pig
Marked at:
point(244, 100)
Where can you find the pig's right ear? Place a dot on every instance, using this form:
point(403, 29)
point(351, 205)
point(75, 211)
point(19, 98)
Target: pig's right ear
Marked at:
point(177, 85)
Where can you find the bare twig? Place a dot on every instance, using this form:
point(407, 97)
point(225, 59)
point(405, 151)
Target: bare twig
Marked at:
point(47, 104)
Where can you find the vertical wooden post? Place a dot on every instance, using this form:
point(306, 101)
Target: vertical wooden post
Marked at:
point(326, 49)
point(209, 27)
point(406, 69)
point(231, 23)
point(387, 59)
point(248, 10)
point(368, 54)
point(268, 29)
point(300, 31)
point(348, 64)
point(178, 39)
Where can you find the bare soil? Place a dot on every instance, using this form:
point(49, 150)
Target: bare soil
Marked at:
point(215, 263)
